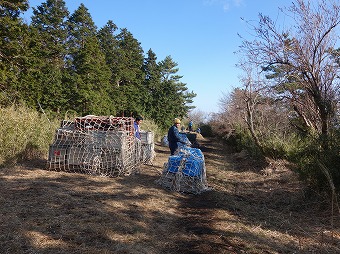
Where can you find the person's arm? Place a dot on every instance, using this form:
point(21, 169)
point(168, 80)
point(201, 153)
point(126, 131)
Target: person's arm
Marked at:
point(178, 137)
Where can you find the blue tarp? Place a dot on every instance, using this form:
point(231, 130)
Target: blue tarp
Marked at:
point(192, 160)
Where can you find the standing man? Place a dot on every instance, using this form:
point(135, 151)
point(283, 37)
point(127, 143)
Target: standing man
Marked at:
point(136, 125)
point(173, 136)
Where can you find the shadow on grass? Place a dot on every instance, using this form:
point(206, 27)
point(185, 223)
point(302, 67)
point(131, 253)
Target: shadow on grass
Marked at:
point(56, 212)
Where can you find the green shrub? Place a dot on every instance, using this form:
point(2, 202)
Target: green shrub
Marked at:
point(312, 160)
point(206, 130)
point(241, 139)
point(279, 147)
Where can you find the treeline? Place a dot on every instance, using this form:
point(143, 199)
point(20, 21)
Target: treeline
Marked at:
point(61, 62)
point(288, 104)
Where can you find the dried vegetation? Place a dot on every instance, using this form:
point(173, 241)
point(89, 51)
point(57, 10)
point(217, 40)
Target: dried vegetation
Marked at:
point(250, 209)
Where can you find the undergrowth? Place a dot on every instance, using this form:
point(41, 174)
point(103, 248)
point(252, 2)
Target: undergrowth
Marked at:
point(25, 134)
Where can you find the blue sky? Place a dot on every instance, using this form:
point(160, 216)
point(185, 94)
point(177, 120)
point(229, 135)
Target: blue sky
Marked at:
point(199, 35)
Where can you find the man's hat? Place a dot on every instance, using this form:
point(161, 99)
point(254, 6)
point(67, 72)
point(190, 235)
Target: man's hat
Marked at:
point(176, 120)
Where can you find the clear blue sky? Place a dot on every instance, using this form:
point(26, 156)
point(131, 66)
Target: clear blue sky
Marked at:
point(199, 35)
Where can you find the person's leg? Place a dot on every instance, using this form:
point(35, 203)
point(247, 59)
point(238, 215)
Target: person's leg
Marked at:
point(172, 149)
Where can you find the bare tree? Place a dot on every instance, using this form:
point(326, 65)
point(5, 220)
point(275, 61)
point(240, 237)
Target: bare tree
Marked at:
point(231, 113)
point(301, 60)
point(198, 116)
point(266, 117)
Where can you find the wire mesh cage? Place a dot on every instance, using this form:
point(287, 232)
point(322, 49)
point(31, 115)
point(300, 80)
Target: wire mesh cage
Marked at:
point(98, 145)
point(185, 171)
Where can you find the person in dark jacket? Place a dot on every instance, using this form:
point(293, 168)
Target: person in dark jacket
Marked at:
point(190, 125)
point(173, 136)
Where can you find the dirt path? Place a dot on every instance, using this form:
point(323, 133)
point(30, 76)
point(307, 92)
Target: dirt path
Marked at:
point(252, 209)
point(249, 210)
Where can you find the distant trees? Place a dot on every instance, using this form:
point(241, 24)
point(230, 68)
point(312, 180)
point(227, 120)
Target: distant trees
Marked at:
point(61, 62)
point(290, 90)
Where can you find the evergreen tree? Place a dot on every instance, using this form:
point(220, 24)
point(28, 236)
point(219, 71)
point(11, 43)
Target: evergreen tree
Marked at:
point(13, 35)
point(152, 83)
point(62, 62)
point(50, 32)
point(108, 45)
point(173, 96)
point(89, 75)
point(128, 75)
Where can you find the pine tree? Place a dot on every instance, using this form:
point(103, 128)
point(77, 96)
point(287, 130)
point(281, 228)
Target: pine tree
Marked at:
point(152, 83)
point(50, 32)
point(173, 96)
point(108, 45)
point(89, 76)
point(128, 75)
point(13, 35)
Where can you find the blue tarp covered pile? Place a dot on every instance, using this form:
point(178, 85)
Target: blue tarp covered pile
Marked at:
point(185, 171)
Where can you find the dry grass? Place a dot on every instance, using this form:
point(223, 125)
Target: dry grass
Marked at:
point(24, 134)
point(249, 210)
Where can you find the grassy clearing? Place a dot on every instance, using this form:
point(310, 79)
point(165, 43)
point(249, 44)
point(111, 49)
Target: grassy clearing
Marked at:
point(249, 210)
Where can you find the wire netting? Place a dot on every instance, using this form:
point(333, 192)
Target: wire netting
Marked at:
point(100, 145)
point(185, 171)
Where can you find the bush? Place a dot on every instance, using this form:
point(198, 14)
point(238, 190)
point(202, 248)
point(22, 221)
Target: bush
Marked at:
point(312, 160)
point(150, 125)
point(206, 130)
point(279, 147)
point(240, 139)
